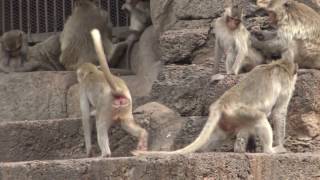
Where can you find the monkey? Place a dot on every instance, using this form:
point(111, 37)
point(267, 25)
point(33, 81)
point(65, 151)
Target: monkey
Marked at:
point(295, 22)
point(111, 100)
point(14, 54)
point(140, 19)
point(244, 108)
point(233, 39)
point(75, 39)
point(270, 53)
point(14, 44)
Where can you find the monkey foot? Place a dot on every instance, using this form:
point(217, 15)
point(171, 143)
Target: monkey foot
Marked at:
point(137, 152)
point(142, 146)
point(279, 149)
point(217, 77)
point(106, 155)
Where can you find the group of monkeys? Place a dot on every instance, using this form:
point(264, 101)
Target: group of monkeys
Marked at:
point(75, 43)
point(243, 110)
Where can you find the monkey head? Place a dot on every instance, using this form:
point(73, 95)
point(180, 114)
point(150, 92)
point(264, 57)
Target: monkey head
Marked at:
point(233, 17)
point(276, 9)
point(84, 70)
point(12, 41)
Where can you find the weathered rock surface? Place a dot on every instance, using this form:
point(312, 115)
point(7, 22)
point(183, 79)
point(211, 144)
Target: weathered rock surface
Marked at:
point(190, 91)
point(178, 45)
point(63, 139)
point(165, 13)
point(194, 166)
point(36, 95)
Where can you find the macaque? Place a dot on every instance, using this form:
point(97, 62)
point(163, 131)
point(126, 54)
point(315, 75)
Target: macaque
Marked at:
point(75, 39)
point(110, 99)
point(140, 19)
point(14, 43)
point(295, 23)
point(14, 54)
point(233, 40)
point(244, 109)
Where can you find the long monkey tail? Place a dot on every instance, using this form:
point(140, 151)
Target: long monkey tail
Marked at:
point(96, 36)
point(201, 140)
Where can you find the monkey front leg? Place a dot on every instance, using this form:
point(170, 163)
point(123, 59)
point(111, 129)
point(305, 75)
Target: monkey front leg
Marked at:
point(230, 59)
point(129, 125)
point(218, 53)
point(237, 63)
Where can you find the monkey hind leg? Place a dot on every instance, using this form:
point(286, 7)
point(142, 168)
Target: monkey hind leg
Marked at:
point(245, 142)
point(129, 125)
point(264, 131)
point(103, 123)
point(255, 122)
point(69, 58)
point(216, 138)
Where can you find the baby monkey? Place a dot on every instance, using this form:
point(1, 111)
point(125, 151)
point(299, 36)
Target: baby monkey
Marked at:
point(233, 40)
point(111, 99)
point(14, 44)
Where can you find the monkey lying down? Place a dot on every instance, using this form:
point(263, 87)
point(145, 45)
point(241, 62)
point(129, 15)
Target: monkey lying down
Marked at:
point(111, 99)
point(243, 110)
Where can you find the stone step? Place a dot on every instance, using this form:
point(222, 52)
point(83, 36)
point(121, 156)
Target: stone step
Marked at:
point(41, 95)
point(63, 138)
point(199, 166)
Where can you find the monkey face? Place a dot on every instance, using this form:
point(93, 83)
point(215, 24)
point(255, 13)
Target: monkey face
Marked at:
point(12, 44)
point(272, 18)
point(233, 22)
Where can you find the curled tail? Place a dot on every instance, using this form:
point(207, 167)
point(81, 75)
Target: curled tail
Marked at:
point(201, 140)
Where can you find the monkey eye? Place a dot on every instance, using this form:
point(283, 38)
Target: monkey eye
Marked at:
point(236, 20)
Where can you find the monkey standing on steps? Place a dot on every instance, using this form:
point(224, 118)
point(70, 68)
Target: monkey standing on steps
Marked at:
point(295, 22)
point(140, 19)
point(233, 39)
point(75, 39)
point(244, 109)
point(111, 99)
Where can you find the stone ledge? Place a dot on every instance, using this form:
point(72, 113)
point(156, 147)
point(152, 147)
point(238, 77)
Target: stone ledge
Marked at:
point(193, 166)
point(34, 95)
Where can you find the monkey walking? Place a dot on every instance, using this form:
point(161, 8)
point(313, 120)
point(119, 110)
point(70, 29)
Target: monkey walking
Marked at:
point(140, 19)
point(75, 39)
point(233, 39)
point(111, 99)
point(295, 22)
point(244, 109)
